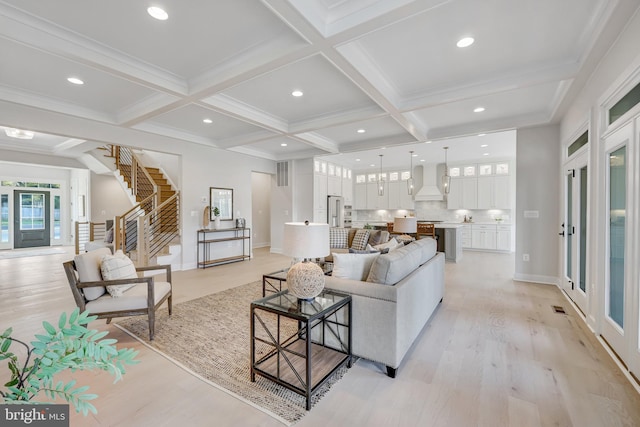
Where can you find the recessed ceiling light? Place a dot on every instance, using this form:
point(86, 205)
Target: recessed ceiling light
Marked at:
point(372, 165)
point(75, 81)
point(297, 93)
point(428, 142)
point(207, 121)
point(414, 155)
point(158, 13)
point(484, 145)
point(465, 42)
point(357, 160)
point(485, 154)
point(361, 131)
point(19, 133)
point(478, 110)
point(422, 160)
point(284, 144)
point(481, 134)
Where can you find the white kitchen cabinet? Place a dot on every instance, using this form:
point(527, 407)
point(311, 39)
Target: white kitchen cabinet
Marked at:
point(320, 192)
point(360, 196)
point(466, 236)
point(483, 237)
point(373, 200)
point(347, 191)
point(463, 194)
point(494, 192)
point(334, 185)
point(503, 238)
point(399, 197)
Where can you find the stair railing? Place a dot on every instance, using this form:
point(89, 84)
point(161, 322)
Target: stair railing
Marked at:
point(158, 228)
point(86, 231)
point(134, 173)
point(126, 225)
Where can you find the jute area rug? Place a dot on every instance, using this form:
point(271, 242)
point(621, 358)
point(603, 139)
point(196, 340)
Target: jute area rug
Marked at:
point(209, 337)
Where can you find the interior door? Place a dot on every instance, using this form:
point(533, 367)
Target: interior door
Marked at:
point(619, 262)
point(575, 230)
point(31, 219)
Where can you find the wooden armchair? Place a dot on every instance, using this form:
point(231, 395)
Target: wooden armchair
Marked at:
point(90, 294)
point(426, 229)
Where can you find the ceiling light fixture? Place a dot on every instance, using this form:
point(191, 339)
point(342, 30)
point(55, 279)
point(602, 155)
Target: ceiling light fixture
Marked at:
point(357, 160)
point(158, 13)
point(484, 145)
point(19, 133)
point(422, 160)
point(284, 144)
point(361, 131)
point(297, 93)
point(478, 110)
point(410, 180)
point(207, 121)
point(380, 180)
point(446, 179)
point(485, 154)
point(481, 134)
point(428, 142)
point(75, 81)
point(465, 42)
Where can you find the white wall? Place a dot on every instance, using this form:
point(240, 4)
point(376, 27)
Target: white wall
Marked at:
point(204, 167)
point(170, 164)
point(261, 209)
point(538, 189)
point(282, 209)
point(108, 198)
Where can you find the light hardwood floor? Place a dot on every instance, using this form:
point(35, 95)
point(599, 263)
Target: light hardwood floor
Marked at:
point(494, 354)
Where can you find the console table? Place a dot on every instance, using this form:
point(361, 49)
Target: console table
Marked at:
point(208, 239)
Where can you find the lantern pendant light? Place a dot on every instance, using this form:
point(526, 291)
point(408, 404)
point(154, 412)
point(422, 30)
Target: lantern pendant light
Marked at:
point(446, 179)
point(380, 181)
point(410, 180)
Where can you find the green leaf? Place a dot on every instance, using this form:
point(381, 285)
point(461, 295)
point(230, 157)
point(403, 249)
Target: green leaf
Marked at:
point(49, 327)
point(12, 382)
point(7, 333)
point(43, 338)
point(5, 345)
point(62, 321)
point(45, 361)
point(99, 335)
point(74, 316)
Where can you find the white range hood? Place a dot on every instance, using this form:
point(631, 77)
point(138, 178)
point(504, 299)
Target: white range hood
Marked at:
point(431, 181)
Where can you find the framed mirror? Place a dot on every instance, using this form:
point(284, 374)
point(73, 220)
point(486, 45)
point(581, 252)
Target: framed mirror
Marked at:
point(221, 198)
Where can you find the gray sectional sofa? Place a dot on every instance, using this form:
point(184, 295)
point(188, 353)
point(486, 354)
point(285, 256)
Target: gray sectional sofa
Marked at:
point(402, 290)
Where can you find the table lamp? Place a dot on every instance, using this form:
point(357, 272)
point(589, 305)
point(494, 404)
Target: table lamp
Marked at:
point(407, 225)
point(305, 240)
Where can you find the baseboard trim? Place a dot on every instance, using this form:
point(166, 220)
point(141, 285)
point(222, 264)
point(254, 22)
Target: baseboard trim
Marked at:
point(536, 278)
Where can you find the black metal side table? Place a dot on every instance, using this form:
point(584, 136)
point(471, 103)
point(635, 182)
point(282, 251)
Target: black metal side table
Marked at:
point(299, 344)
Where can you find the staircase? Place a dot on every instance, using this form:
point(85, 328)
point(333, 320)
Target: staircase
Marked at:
point(149, 228)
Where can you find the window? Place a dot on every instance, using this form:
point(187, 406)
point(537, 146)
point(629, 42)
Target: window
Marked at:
point(485, 169)
point(394, 176)
point(455, 171)
point(405, 175)
point(578, 143)
point(627, 102)
point(32, 212)
point(4, 218)
point(361, 179)
point(56, 218)
point(502, 169)
point(469, 171)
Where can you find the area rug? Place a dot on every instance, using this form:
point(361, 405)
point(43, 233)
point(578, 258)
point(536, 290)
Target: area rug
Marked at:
point(19, 253)
point(209, 337)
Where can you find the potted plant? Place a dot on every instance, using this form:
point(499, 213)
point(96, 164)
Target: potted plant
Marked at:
point(216, 219)
point(69, 346)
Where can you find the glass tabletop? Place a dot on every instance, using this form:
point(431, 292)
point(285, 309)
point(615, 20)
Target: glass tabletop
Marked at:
point(327, 268)
point(307, 309)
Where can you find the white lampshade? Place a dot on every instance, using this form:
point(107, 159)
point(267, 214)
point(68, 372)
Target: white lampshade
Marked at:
point(306, 241)
point(405, 224)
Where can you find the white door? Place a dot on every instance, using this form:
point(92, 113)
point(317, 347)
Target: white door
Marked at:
point(619, 262)
point(574, 230)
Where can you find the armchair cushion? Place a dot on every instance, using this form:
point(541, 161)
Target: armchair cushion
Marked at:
point(117, 266)
point(133, 299)
point(88, 268)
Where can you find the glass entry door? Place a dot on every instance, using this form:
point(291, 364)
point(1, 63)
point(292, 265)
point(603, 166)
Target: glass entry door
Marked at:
point(619, 264)
point(31, 219)
point(574, 230)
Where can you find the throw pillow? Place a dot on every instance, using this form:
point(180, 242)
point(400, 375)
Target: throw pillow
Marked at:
point(366, 251)
point(377, 237)
point(390, 245)
point(118, 266)
point(372, 249)
point(338, 238)
point(360, 240)
point(108, 236)
point(352, 266)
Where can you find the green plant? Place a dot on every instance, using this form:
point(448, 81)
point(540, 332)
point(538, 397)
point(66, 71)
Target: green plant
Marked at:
point(216, 211)
point(70, 346)
point(368, 226)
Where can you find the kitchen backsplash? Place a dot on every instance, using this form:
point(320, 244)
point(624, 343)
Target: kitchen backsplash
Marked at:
point(434, 211)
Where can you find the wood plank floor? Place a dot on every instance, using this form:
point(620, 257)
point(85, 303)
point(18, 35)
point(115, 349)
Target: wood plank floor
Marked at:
point(494, 354)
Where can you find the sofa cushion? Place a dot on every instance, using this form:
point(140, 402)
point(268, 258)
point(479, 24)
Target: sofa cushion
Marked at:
point(338, 237)
point(133, 299)
point(352, 266)
point(428, 248)
point(377, 237)
point(360, 240)
point(389, 269)
point(118, 266)
point(88, 268)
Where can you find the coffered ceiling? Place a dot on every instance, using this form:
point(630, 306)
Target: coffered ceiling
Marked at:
point(390, 68)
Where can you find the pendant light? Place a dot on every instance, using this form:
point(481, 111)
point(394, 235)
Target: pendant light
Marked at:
point(410, 180)
point(446, 179)
point(380, 181)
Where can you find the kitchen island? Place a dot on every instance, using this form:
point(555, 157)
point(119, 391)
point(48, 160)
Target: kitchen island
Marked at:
point(450, 240)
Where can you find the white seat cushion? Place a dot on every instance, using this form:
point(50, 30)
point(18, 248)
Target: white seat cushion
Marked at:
point(88, 268)
point(132, 299)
